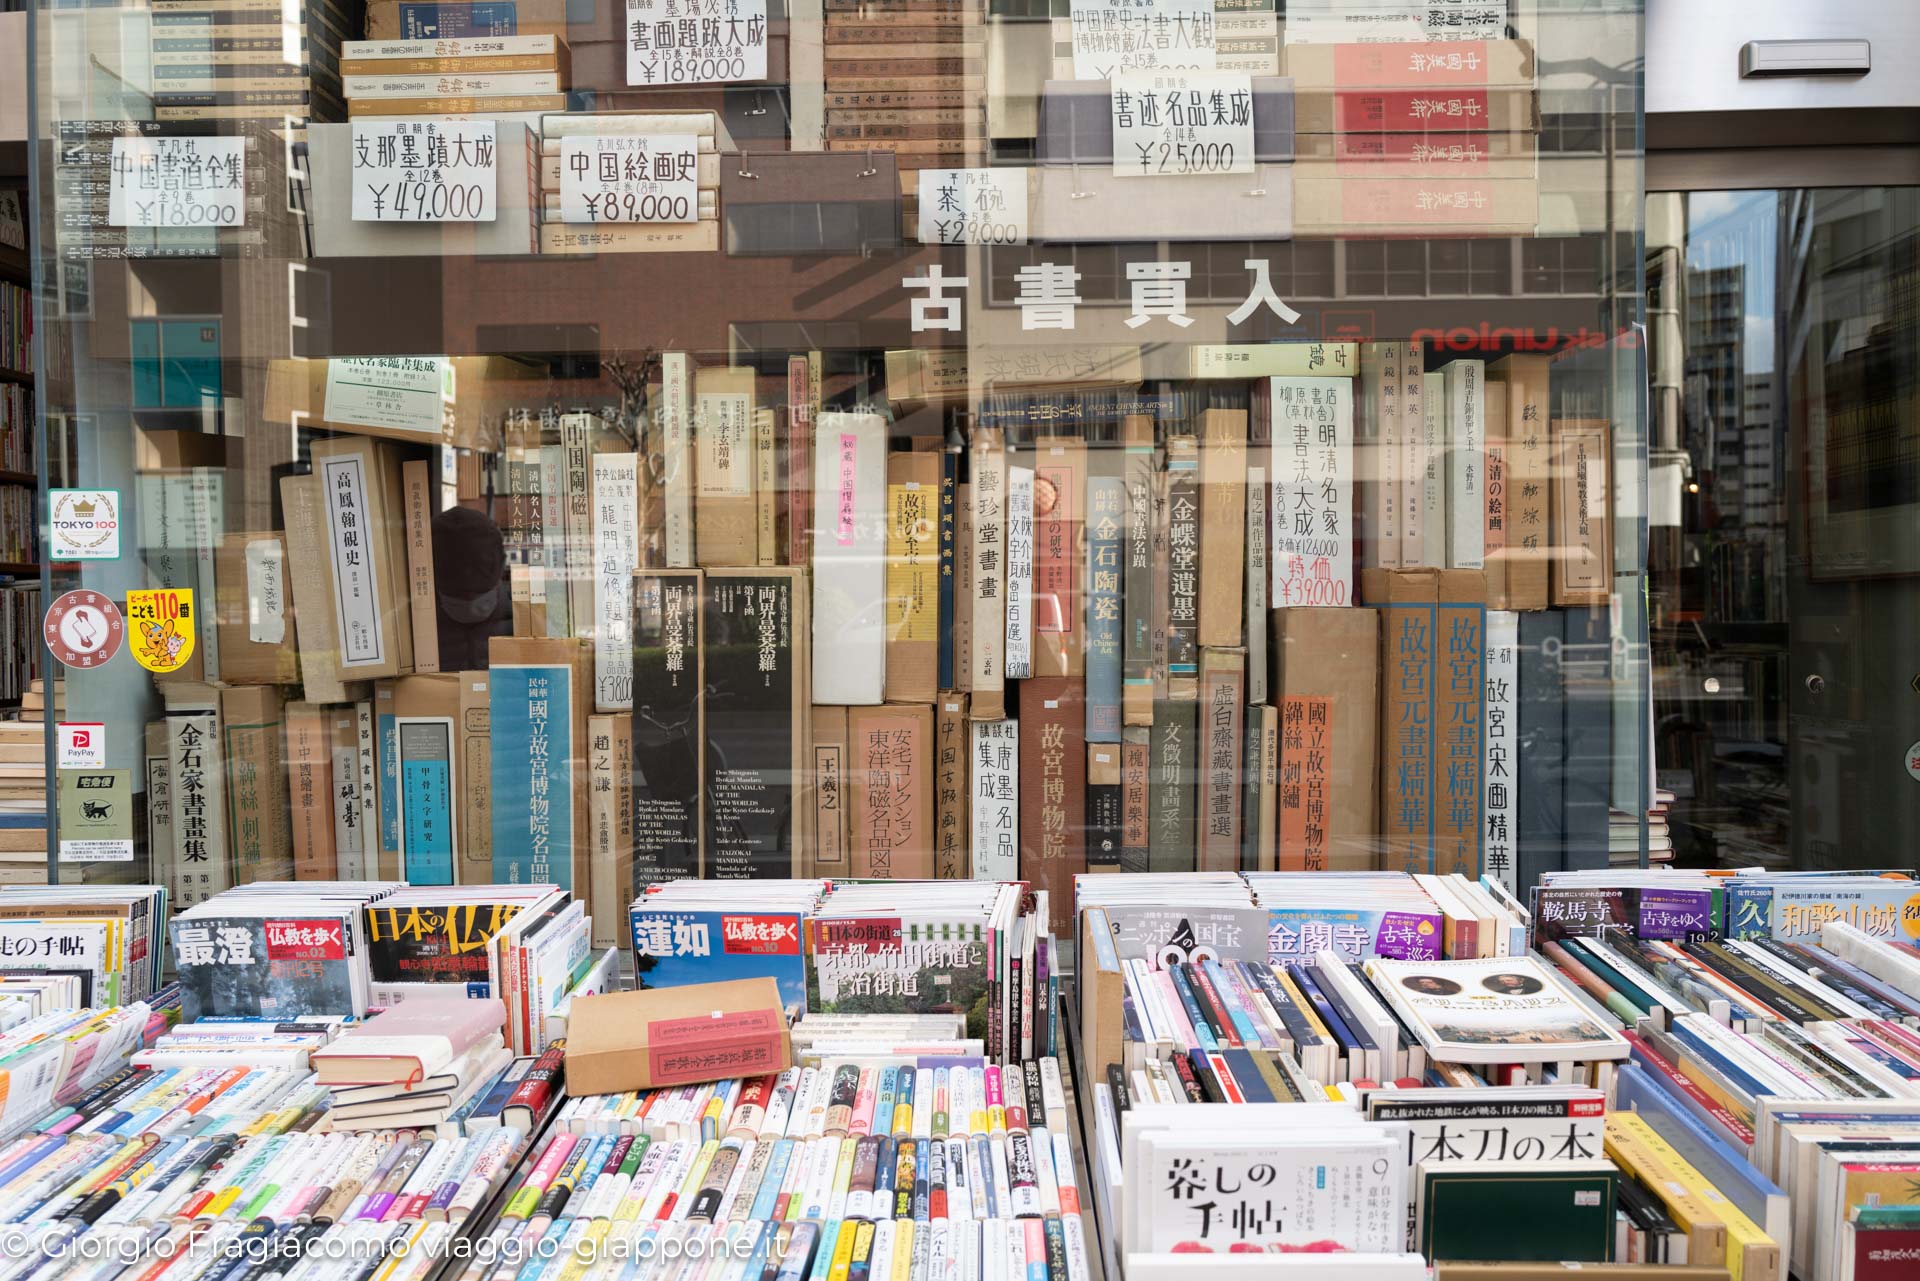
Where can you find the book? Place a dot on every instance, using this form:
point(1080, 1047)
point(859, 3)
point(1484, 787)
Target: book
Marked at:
point(890, 818)
point(1173, 799)
point(1053, 792)
point(1327, 696)
point(610, 811)
point(995, 774)
point(755, 624)
point(408, 1043)
point(1222, 742)
point(1526, 463)
point(1105, 561)
point(1580, 476)
point(362, 505)
point(433, 941)
point(830, 837)
point(1559, 1211)
point(987, 675)
point(913, 577)
point(952, 788)
point(1224, 459)
point(539, 690)
point(1059, 521)
point(849, 558)
point(1466, 500)
point(668, 734)
point(1505, 1010)
point(725, 510)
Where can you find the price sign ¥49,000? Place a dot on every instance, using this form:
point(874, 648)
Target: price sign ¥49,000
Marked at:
point(425, 170)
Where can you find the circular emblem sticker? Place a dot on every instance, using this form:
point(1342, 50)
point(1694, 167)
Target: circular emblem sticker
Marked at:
point(162, 623)
point(84, 629)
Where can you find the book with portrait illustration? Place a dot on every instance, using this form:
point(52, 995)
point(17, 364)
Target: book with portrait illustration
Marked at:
point(1503, 1010)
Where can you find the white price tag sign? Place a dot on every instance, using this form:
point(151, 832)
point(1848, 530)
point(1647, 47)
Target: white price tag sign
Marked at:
point(690, 42)
point(178, 182)
point(973, 206)
point(1172, 123)
point(1112, 36)
point(424, 170)
point(630, 178)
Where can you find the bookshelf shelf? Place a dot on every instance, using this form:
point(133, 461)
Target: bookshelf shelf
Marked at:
point(16, 376)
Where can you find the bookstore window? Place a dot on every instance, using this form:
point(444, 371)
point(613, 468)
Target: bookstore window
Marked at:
point(938, 440)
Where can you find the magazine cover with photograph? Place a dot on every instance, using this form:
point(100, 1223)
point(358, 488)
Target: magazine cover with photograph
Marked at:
point(1502, 1010)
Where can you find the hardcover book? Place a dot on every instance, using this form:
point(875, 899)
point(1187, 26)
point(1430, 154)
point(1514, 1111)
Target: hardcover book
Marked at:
point(538, 692)
point(913, 621)
point(891, 819)
point(1053, 793)
point(952, 791)
point(252, 725)
point(1326, 691)
point(725, 511)
point(1174, 756)
point(1527, 473)
point(669, 652)
point(755, 622)
point(1466, 464)
point(1142, 491)
point(1222, 742)
point(1562, 1212)
point(1223, 525)
point(1059, 517)
point(1183, 568)
point(988, 554)
point(849, 558)
point(996, 800)
point(1505, 1010)
point(830, 843)
point(1106, 551)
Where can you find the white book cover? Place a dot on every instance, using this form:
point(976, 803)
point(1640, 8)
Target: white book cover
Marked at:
point(1433, 470)
point(849, 559)
point(616, 551)
point(1312, 491)
point(1500, 736)
point(1413, 456)
point(452, 85)
point(199, 868)
point(348, 848)
point(996, 800)
point(1503, 1010)
point(676, 439)
point(1019, 573)
point(1466, 464)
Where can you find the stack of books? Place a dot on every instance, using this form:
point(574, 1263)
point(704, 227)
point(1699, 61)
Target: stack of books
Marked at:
point(909, 80)
point(276, 950)
point(60, 1054)
point(883, 1165)
point(463, 77)
point(1414, 138)
point(110, 940)
point(978, 950)
point(417, 1065)
point(636, 225)
point(249, 59)
point(276, 1044)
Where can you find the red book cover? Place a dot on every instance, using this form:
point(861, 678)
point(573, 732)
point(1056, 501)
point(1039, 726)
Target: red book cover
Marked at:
point(536, 1090)
point(1886, 1254)
point(1647, 1056)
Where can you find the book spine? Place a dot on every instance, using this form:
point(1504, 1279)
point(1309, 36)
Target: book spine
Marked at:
point(996, 800)
point(200, 867)
point(310, 791)
point(1106, 807)
point(1258, 571)
point(1060, 473)
point(1500, 727)
point(1540, 823)
point(476, 782)
point(158, 773)
point(1136, 786)
point(1173, 789)
point(348, 834)
point(531, 718)
point(424, 762)
point(1183, 568)
point(616, 525)
point(831, 840)
point(912, 578)
point(420, 505)
point(756, 697)
point(1494, 532)
point(1433, 454)
point(1053, 764)
point(1459, 742)
point(891, 817)
point(1141, 487)
point(963, 588)
point(725, 507)
point(676, 413)
point(1223, 526)
point(802, 421)
point(1222, 708)
point(953, 819)
point(1581, 561)
point(949, 557)
point(1106, 511)
point(1466, 464)
point(1020, 551)
point(551, 597)
point(849, 559)
point(766, 486)
point(989, 482)
point(1413, 460)
point(1529, 451)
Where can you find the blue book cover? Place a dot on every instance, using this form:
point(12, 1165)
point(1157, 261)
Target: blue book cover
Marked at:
point(387, 745)
point(674, 948)
point(531, 709)
point(1106, 516)
point(448, 21)
point(1726, 1167)
point(1794, 911)
point(425, 756)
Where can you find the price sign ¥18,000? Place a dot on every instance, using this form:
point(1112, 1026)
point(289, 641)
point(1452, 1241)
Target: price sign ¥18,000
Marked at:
point(630, 178)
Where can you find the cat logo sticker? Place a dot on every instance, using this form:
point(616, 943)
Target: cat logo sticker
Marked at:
point(160, 628)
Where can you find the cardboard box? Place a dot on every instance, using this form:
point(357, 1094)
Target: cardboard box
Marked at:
point(1324, 682)
point(254, 611)
point(891, 817)
point(1432, 687)
point(676, 1036)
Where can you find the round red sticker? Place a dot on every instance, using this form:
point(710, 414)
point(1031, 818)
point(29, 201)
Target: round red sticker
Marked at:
point(84, 629)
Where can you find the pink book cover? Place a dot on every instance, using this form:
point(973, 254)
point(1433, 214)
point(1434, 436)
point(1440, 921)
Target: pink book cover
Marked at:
point(412, 1040)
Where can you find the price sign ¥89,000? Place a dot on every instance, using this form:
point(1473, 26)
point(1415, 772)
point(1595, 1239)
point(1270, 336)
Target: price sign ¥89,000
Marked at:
point(178, 182)
point(424, 170)
point(1174, 123)
point(630, 178)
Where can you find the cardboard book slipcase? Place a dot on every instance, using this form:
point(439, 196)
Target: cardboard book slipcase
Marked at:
point(676, 1036)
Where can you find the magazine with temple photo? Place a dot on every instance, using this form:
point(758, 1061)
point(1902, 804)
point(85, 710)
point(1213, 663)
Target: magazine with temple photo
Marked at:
point(1503, 1010)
